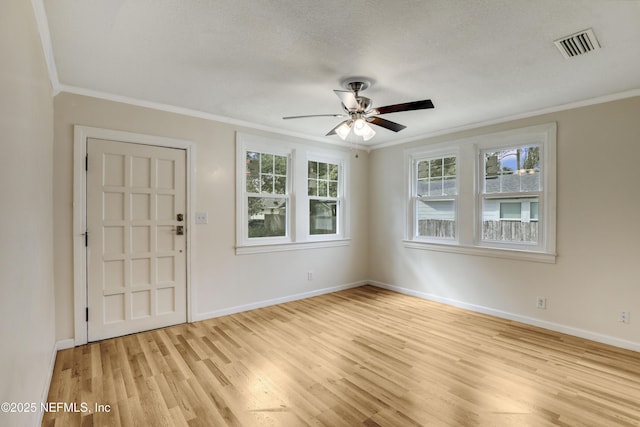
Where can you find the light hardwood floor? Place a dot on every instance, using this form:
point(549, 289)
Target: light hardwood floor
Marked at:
point(364, 356)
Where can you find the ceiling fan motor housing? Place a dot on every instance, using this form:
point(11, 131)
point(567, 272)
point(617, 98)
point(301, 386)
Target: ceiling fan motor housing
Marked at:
point(356, 84)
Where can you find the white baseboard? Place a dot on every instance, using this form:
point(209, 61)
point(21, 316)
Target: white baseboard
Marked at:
point(65, 344)
point(557, 327)
point(58, 345)
point(266, 303)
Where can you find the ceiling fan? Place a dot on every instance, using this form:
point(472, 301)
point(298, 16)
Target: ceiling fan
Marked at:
point(359, 111)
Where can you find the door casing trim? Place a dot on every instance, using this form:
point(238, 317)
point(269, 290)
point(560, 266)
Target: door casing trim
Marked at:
point(80, 136)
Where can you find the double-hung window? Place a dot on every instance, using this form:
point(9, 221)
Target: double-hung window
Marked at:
point(289, 195)
point(511, 194)
point(324, 192)
point(266, 195)
point(435, 192)
point(492, 195)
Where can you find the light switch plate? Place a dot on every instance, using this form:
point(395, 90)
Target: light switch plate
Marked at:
point(202, 218)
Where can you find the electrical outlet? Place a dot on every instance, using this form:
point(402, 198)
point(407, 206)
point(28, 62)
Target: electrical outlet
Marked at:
point(541, 303)
point(310, 275)
point(624, 317)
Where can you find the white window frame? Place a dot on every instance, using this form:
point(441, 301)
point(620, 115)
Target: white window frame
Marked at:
point(261, 149)
point(315, 156)
point(470, 179)
point(297, 236)
point(415, 158)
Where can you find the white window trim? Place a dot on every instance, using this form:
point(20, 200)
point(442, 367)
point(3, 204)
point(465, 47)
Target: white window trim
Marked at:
point(298, 236)
point(468, 212)
point(242, 200)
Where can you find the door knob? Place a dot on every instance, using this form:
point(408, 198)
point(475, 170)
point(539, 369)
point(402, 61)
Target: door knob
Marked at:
point(179, 230)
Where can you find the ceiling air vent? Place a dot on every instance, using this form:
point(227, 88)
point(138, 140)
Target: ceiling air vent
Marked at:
point(578, 44)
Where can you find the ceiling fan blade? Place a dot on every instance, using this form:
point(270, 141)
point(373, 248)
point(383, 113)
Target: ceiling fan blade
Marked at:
point(407, 106)
point(314, 115)
point(387, 124)
point(333, 131)
point(348, 99)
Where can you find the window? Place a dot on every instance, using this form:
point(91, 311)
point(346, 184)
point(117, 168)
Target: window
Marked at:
point(266, 193)
point(323, 184)
point(511, 183)
point(488, 195)
point(289, 195)
point(434, 197)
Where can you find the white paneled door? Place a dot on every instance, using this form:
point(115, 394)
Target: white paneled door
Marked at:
point(136, 242)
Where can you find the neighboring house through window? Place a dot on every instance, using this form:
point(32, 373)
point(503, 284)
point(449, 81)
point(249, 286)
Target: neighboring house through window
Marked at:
point(435, 192)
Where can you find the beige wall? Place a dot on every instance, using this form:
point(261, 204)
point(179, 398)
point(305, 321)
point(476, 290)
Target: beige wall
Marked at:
point(26, 213)
point(597, 273)
point(595, 277)
point(221, 280)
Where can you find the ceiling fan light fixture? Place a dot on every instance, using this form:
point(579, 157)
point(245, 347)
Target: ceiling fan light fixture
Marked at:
point(360, 127)
point(370, 133)
point(343, 130)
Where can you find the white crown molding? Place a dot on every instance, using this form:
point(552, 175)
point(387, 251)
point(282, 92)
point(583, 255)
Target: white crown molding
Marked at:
point(584, 103)
point(47, 48)
point(191, 113)
point(368, 148)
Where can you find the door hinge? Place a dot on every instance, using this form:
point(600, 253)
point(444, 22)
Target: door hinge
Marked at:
point(86, 239)
point(87, 313)
point(86, 162)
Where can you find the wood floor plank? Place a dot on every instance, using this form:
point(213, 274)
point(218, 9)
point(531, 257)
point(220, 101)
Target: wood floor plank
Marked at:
point(363, 356)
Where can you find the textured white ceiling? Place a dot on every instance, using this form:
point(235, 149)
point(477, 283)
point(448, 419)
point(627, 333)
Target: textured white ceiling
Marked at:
point(257, 61)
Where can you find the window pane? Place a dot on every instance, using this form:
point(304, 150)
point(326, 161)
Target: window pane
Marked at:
point(280, 184)
point(449, 186)
point(322, 179)
point(436, 218)
point(512, 170)
point(332, 172)
point(435, 167)
point(266, 173)
point(422, 189)
point(436, 177)
point(280, 165)
point(312, 170)
point(267, 184)
point(435, 189)
point(423, 169)
point(322, 216)
point(449, 166)
point(333, 188)
point(534, 211)
point(267, 217)
point(312, 187)
point(253, 172)
point(322, 188)
point(322, 170)
point(266, 163)
point(509, 220)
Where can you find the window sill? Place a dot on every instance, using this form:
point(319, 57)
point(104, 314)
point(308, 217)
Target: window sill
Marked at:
point(282, 247)
point(544, 257)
